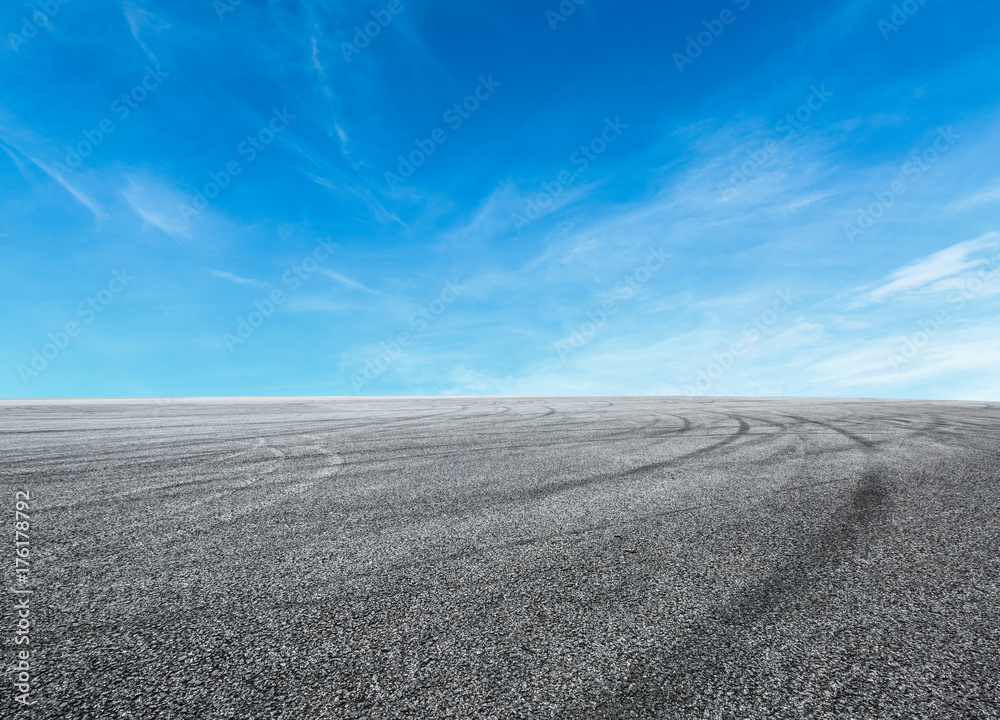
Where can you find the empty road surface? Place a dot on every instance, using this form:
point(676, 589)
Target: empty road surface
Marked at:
point(505, 558)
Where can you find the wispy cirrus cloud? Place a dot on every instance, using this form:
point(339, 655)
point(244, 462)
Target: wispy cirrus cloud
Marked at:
point(16, 151)
point(928, 271)
point(349, 283)
point(222, 274)
point(138, 19)
point(986, 196)
point(157, 205)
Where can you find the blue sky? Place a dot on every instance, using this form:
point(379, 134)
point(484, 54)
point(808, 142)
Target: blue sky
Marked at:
point(302, 198)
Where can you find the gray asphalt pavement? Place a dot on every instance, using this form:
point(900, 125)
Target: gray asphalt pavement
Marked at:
point(506, 558)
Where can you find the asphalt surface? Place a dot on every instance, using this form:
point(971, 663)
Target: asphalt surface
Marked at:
point(507, 558)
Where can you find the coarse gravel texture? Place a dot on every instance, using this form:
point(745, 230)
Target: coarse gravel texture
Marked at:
point(507, 558)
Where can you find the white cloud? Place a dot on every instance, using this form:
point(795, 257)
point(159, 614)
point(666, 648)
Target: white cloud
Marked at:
point(805, 201)
point(932, 269)
point(157, 206)
point(69, 187)
point(343, 137)
point(137, 17)
point(317, 304)
point(158, 203)
point(236, 278)
point(347, 282)
point(984, 197)
point(25, 173)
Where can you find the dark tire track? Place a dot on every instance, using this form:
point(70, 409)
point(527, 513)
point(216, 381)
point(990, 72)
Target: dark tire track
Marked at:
point(688, 673)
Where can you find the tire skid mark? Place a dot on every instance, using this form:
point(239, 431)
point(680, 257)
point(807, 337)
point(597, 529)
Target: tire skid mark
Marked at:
point(481, 551)
point(743, 429)
point(269, 465)
point(871, 444)
point(546, 491)
point(700, 659)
